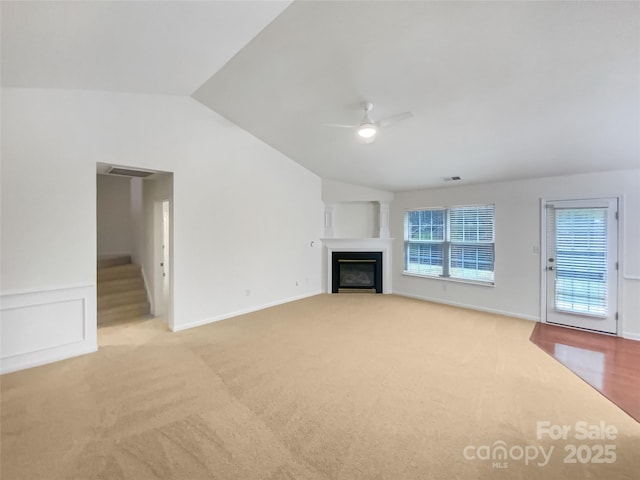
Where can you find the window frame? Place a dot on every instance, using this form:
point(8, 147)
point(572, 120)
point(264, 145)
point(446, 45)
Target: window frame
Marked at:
point(446, 245)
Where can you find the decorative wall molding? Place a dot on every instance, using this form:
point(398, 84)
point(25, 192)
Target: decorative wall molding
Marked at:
point(329, 212)
point(39, 327)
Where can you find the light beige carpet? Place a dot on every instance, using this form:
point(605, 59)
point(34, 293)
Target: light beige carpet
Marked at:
point(332, 387)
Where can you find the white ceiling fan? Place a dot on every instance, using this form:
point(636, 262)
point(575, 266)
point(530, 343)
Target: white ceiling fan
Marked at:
point(368, 129)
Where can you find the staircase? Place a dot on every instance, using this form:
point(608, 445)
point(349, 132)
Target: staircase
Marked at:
point(121, 291)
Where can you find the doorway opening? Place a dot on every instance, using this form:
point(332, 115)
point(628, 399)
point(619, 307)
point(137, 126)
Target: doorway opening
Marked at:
point(134, 244)
point(580, 264)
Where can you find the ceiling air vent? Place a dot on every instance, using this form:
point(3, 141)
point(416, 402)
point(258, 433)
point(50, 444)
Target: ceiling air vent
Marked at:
point(451, 179)
point(127, 172)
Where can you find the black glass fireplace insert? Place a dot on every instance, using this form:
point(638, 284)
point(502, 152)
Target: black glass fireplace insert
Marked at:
point(356, 272)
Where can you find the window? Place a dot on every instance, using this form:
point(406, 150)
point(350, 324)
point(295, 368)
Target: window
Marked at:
point(455, 242)
point(581, 260)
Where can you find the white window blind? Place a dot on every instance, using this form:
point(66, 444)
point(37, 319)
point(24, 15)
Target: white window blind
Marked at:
point(425, 232)
point(580, 246)
point(453, 242)
point(472, 243)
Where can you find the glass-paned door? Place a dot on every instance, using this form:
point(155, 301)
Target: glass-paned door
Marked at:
point(581, 264)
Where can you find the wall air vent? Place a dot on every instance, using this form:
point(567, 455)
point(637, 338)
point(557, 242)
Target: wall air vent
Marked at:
point(451, 179)
point(127, 172)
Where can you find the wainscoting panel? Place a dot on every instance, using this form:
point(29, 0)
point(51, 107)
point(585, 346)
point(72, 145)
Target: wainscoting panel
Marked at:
point(46, 326)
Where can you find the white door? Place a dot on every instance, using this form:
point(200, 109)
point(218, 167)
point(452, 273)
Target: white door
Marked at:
point(581, 264)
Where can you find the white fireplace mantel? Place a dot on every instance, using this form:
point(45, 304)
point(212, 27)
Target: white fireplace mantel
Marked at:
point(383, 245)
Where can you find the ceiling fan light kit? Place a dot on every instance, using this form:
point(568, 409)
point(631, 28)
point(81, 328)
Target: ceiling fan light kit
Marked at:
point(368, 129)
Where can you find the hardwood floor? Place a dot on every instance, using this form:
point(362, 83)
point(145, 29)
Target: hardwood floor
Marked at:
point(610, 364)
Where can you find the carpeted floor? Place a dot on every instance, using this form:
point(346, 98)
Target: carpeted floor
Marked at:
point(341, 386)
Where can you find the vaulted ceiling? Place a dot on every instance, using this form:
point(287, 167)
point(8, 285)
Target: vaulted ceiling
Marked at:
point(156, 47)
point(499, 90)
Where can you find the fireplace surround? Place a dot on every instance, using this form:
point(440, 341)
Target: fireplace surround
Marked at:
point(356, 272)
point(355, 245)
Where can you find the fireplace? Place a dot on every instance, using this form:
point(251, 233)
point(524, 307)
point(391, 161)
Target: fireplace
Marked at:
point(356, 272)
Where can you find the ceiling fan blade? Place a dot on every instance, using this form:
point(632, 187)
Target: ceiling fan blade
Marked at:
point(339, 125)
point(394, 118)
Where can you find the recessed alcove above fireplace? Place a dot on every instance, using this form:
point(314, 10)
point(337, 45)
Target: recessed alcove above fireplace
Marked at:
point(356, 272)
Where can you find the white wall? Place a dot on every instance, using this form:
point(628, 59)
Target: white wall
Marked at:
point(517, 227)
point(356, 220)
point(114, 215)
point(337, 192)
point(244, 214)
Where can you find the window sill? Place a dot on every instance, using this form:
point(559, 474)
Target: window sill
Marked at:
point(480, 283)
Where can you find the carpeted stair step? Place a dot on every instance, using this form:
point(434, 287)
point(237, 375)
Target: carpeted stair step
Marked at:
point(123, 312)
point(121, 291)
point(113, 260)
point(118, 272)
point(119, 286)
point(116, 299)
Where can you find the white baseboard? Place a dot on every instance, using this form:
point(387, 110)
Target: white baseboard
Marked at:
point(199, 323)
point(470, 307)
point(40, 327)
point(631, 336)
point(36, 359)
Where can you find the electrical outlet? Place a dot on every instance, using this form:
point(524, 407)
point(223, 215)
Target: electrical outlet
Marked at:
point(536, 249)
